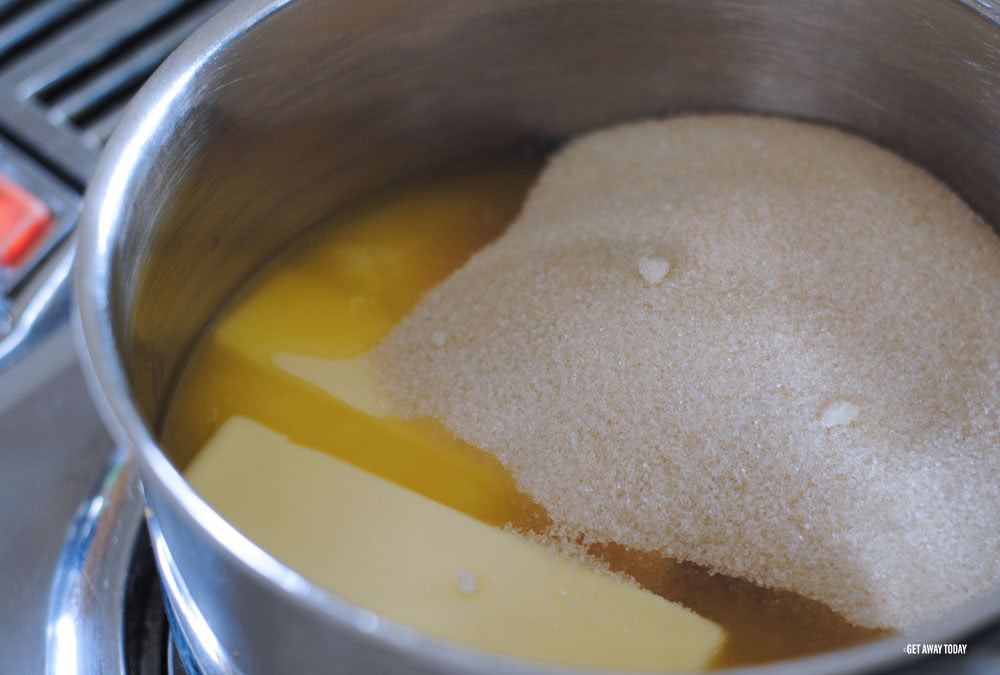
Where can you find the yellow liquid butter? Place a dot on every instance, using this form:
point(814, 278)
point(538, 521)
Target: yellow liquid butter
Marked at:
point(277, 410)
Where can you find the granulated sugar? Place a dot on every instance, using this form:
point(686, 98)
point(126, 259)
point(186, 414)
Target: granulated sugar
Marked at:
point(766, 347)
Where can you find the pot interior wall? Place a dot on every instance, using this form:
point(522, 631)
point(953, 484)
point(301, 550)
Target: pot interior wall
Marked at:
point(322, 103)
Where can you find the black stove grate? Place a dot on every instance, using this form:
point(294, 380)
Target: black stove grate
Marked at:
point(24, 23)
point(68, 67)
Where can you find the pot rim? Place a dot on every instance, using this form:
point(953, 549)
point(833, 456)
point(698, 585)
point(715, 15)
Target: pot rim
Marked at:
point(102, 216)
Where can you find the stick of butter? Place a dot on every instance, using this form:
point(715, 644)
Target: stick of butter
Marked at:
point(424, 564)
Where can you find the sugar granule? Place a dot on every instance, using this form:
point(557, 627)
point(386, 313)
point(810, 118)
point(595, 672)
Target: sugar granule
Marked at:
point(839, 413)
point(467, 581)
point(653, 270)
point(808, 267)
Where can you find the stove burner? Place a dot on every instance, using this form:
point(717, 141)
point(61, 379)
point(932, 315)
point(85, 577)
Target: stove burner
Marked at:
point(150, 648)
point(146, 634)
point(107, 610)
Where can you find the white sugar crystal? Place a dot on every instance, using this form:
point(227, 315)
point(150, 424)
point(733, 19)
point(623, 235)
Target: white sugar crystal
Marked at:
point(839, 413)
point(467, 581)
point(653, 270)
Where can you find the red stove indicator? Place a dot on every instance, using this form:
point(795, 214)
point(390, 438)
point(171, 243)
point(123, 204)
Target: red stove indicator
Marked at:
point(23, 220)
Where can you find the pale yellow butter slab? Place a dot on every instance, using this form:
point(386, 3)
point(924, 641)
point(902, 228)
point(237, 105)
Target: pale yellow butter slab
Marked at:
point(434, 568)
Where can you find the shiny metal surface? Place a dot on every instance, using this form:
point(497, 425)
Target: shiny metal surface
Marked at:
point(196, 645)
point(63, 608)
point(106, 613)
point(279, 113)
point(53, 448)
point(46, 308)
point(84, 627)
point(64, 204)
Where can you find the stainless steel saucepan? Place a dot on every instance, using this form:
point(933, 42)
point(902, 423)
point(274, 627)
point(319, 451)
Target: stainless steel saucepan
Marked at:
point(279, 113)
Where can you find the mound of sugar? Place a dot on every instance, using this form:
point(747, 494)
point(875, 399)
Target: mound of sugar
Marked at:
point(763, 346)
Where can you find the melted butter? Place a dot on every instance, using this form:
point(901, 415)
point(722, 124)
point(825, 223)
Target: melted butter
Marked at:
point(333, 297)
